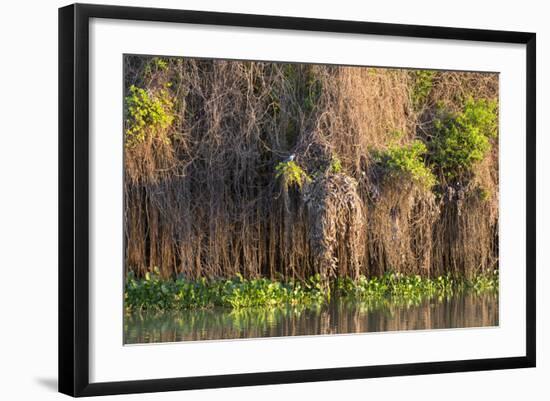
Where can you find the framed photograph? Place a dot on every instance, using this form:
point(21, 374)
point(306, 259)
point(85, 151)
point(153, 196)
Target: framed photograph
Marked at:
point(249, 199)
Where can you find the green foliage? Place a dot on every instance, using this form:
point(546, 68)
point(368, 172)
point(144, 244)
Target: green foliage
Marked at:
point(396, 135)
point(483, 193)
point(400, 288)
point(421, 88)
point(160, 63)
point(409, 160)
point(154, 293)
point(291, 174)
point(414, 288)
point(147, 114)
point(153, 66)
point(462, 139)
point(335, 165)
point(485, 282)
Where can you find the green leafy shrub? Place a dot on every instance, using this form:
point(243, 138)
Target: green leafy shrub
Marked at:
point(160, 63)
point(291, 173)
point(462, 139)
point(147, 114)
point(154, 66)
point(335, 165)
point(421, 88)
point(408, 160)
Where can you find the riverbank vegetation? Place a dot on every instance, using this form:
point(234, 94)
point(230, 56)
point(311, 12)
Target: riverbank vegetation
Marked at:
point(153, 293)
point(259, 183)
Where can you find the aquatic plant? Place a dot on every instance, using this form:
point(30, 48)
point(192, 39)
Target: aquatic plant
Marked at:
point(155, 293)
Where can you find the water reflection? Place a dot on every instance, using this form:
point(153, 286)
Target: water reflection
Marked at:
point(338, 317)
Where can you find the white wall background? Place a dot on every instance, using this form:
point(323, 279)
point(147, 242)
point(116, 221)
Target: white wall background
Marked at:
point(28, 199)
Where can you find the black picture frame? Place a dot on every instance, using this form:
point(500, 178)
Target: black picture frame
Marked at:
point(74, 198)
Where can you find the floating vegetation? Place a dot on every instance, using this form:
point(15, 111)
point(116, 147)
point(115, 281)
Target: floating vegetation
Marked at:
point(155, 293)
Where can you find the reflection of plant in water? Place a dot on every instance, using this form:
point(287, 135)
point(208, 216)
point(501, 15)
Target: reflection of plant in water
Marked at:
point(337, 317)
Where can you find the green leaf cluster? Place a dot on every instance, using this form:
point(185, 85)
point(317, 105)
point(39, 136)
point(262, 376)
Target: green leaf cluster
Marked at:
point(154, 66)
point(421, 88)
point(407, 160)
point(160, 63)
point(462, 139)
point(147, 113)
point(335, 165)
point(291, 173)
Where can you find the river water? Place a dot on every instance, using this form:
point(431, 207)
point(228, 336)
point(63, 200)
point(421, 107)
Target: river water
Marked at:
point(338, 317)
